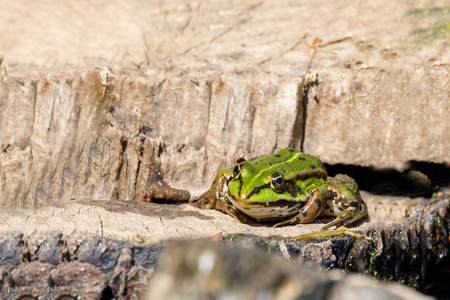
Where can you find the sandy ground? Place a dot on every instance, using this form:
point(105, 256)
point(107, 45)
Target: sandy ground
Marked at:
point(250, 36)
point(135, 221)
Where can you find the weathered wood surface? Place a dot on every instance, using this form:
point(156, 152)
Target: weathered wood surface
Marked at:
point(229, 85)
point(60, 141)
point(134, 221)
point(235, 73)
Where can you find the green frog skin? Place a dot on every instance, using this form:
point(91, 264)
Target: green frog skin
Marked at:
point(288, 188)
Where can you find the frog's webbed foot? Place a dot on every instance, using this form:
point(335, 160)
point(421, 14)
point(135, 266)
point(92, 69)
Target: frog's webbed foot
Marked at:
point(347, 219)
point(229, 209)
point(202, 201)
point(316, 202)
point(215, 194)
point(215, 198)
point(207, 201)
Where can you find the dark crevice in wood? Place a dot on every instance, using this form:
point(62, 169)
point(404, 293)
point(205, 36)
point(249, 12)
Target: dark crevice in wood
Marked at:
point(396, 183)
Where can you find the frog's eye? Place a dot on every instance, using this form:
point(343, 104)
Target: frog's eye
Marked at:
point(237, 171)
point(277, 182)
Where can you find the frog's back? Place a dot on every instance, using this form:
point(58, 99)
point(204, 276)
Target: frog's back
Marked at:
point(288, 162)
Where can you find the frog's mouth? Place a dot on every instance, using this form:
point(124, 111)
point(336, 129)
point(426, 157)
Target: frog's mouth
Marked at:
point(273, 211)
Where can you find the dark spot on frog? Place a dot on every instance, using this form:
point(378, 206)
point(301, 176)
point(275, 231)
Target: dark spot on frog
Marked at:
point(257, 189)
point(241, 183)
point(304, 213)
point(332, 194)
point(313, 166)
point(301, 158)
point(318, 202)
point(327, 206)
point(354, 204)
point(291, 188)
point(343, 203)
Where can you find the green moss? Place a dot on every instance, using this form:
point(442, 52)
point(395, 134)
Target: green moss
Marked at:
point(329, 234)
point(371, 269)
point(427, 12)
point(437, 31)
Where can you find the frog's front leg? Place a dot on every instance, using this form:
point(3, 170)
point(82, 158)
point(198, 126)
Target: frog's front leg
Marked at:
point(317, 200)
point(216, 197)
point(345, 202)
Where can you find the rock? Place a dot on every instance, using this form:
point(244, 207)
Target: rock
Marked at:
point(79, 280)
point(418, 181)
point(5, 280)
point(33, 279)
point(207, 270)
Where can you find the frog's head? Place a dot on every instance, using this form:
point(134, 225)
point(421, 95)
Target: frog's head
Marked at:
point(263, 193)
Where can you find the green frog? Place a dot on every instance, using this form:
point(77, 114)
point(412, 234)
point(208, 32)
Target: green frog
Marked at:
point(289, 187)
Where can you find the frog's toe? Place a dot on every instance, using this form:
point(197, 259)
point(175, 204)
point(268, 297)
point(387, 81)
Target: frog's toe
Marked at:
point(278, 225)
point(338, 222)
point(284, 223)
point(344, 220)
point(349, 222)
point(329, 225)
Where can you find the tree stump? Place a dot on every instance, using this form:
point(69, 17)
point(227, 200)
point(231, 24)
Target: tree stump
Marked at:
point(144, 101)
